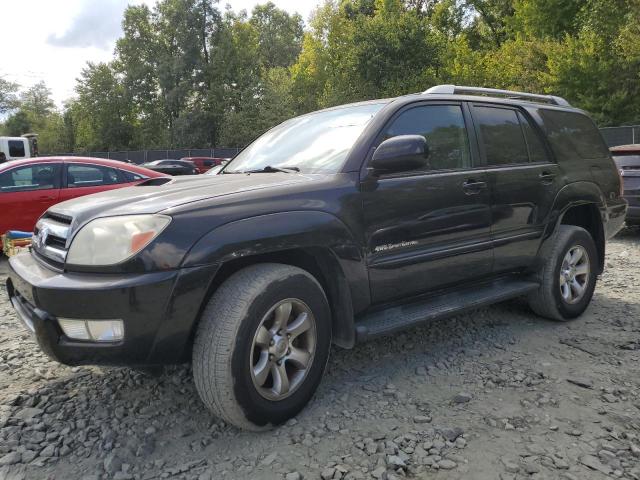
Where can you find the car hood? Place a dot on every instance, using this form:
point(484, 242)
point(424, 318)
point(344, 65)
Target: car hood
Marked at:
point(148, 197)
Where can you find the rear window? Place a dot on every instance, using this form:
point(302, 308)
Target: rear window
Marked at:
point(573, 135)
point(16, 148)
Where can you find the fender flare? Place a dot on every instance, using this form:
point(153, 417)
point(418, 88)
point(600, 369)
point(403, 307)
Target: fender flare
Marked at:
point(576, 194)
point(323, 235)
point(572, 195)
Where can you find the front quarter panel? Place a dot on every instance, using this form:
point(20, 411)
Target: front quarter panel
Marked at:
point(278, 232)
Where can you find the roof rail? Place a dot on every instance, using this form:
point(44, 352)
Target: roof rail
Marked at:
point(461, 90)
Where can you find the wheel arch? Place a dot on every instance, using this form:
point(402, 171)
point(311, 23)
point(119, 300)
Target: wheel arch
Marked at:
point(581, 204)
point(317, 242)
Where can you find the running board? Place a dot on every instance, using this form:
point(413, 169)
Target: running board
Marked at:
point(399, 317)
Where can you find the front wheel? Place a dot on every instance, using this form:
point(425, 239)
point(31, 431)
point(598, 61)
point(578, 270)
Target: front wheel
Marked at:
point(262, 345)
point(567, 276)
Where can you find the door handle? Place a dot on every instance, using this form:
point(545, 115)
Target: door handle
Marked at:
point(45, 197)
point(546, 177)
point(471, 187)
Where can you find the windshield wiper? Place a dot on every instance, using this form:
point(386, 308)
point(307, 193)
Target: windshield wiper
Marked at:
point(270, 169)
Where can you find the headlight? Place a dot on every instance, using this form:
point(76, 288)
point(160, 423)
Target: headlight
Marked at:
point(111, 240)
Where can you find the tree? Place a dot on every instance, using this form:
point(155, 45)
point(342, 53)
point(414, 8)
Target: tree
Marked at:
point(8, 98)
point(36, 101)
point(279, 35)
point(186, 75)
point(136, 62)
point(17, 124)
point(101, 112)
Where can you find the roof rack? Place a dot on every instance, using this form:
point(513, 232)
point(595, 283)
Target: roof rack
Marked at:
point(460, 90)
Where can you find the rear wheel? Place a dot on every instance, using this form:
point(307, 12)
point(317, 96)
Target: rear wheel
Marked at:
point(567, 276)
point(262, 345)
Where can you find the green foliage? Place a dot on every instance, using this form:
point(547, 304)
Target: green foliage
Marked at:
point(186, 74)
point(17, 124)
point(8, 98)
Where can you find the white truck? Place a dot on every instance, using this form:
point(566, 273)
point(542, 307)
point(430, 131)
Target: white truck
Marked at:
point(16, 148)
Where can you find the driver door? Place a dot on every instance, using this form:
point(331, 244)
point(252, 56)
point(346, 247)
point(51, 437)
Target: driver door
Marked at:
point(431, 228)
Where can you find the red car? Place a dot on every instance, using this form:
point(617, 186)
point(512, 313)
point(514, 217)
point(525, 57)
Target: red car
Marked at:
point(203, 164)
point(28, 187)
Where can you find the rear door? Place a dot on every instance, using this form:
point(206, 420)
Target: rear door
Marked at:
point(523, 182)
point(84, 178)
point(428, 229)
point(26, 193)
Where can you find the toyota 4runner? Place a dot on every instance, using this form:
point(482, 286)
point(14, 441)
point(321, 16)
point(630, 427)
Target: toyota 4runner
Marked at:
point(336, 226)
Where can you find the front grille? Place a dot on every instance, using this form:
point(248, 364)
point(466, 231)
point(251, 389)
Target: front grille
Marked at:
point(57, 242)
point(50, 238)
point(57, 217)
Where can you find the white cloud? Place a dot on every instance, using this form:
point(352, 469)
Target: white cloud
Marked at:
point(96, 25)
point(56, 38)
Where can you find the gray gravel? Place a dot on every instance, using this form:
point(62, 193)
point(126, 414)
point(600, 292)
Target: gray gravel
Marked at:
point(495, 394)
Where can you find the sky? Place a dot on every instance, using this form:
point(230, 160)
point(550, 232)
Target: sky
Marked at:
point(52, 40)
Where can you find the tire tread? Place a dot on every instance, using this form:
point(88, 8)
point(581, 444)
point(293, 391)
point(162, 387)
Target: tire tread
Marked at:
point(542, 300)
point(216, 334)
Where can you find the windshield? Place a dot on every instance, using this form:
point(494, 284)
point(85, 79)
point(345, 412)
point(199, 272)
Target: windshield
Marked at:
point(317, 142)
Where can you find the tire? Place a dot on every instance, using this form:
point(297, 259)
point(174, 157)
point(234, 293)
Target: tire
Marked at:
point(551, 300)
point(230, 345)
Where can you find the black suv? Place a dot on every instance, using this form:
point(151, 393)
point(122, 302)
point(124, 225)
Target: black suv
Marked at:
point(336, 226)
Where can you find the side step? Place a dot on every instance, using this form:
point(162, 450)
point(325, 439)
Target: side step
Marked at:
point(399, 317)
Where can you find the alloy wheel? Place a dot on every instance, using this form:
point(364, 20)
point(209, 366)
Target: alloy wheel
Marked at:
point(283, 349)
point(574, 274)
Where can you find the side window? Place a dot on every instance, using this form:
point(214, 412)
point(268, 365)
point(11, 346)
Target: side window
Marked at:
point(16, 148)
point(502, 136)
point(79, 175)
point(444, 129)
point(537, 152)
point(209, 163)
point(128, 176)
point(572, 135)
point(33, 177)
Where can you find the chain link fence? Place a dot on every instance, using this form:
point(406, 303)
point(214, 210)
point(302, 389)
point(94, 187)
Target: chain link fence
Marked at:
point(621, 135)
point(142, 156)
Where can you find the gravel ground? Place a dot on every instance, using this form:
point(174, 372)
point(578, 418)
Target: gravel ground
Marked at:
point(495, 394)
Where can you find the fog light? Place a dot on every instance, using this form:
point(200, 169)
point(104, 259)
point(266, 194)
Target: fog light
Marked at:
point(95, 330)
point(106, 330)
point(76, 329)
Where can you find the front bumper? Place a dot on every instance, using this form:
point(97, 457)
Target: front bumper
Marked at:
point(159, 311)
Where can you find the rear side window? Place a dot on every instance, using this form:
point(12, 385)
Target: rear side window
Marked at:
point(502, 136)
point(444, 129)
point(537, 151)
point(573, 135)
point(33, 177)
point(79, 175)
point(16, 148)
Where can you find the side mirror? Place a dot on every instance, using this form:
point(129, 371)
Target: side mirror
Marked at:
point(400, 154)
